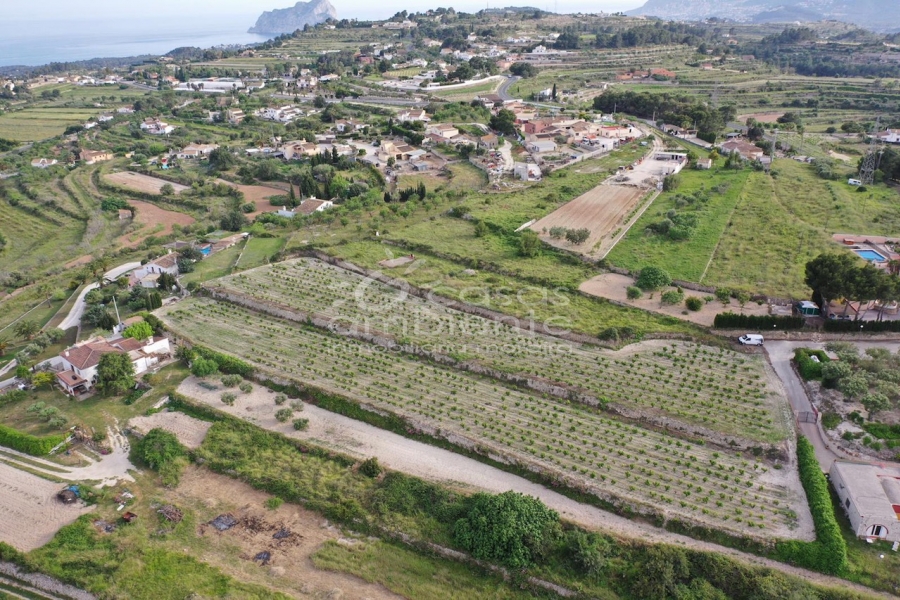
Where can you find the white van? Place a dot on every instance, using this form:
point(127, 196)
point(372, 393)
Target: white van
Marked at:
point(751, 339)
point(854, 182)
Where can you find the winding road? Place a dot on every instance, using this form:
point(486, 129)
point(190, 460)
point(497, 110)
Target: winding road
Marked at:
point(73, 319)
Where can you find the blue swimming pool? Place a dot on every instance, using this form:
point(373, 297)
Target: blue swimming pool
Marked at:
point(871, 255)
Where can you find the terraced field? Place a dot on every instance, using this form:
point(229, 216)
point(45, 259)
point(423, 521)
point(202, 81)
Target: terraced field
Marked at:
point(651, 472)
point(36, 124)
point(716, 389)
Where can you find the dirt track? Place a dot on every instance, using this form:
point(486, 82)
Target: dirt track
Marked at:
point(601, 210)
point(30, 515)
point(359, 439)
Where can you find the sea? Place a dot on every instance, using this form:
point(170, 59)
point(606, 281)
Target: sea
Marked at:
point(33, 43)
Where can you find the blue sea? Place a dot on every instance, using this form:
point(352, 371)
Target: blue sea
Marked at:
point(30, 42)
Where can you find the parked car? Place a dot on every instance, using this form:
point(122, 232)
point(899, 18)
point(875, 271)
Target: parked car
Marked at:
point(751, 339)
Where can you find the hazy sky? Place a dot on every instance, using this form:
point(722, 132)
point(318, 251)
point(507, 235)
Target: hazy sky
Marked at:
point(25, 10)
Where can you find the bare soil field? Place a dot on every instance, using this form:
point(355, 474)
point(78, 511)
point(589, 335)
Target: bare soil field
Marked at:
point(290, 569)
point(30, 514)
point(141, 183)
point(601, 210)
point(150, 215)
point(190, 431)
point(613, 286)
point(258, 194)
point(762, 117)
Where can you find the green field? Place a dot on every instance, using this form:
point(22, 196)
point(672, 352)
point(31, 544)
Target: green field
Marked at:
point(258, 251)
point(217, 265)
point(759, 234)
point(33, 124)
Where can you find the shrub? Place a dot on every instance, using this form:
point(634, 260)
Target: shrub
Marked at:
point(228, 398)
point(652, 278)
point(633, 292)
point(231, 380)
point(588, 551)
point(273, 503)
point(301, 424)
point(246, 387)
point(809, 368)
point(280, 399)
point(226, 364)
point(296, 405)
point(202, 367)
point(283, 414)
point(370, 467)
point(828, 554)
point(831, 420)
point(509, 528)
point(161, 451)
point(672, 297)
point(694, 303)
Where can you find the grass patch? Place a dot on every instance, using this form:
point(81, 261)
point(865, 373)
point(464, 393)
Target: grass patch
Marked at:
point(685, 260)
point(414, 575)
point(258, 251)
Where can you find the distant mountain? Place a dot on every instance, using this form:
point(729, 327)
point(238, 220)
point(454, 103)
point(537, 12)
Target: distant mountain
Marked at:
point(289, 20)
point(877, 15)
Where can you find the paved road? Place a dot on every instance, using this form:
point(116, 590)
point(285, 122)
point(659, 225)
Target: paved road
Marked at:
point(503, 91)
point(780, 354)
point(74, 316)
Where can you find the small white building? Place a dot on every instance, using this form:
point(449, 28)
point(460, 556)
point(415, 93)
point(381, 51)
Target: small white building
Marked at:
point(156, 127)
point(541, 146)
point(148, 275)
point(870, 495)
point(444, 130)
point(43, 163)
point(192, 151)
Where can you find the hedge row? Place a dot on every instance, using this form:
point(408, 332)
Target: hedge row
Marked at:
point(29, 444)
point(861, 326)
point(810, 369)
point(227, 364)
point(828, 554)
point(730, 320)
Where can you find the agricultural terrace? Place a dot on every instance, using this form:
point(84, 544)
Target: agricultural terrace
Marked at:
point(711, 388)
point(34, 124)
point(653, 472)
point(600, 210)
point(142, 183)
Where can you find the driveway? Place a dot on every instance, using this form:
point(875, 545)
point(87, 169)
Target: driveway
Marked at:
point(74, 317)
point(780, 354)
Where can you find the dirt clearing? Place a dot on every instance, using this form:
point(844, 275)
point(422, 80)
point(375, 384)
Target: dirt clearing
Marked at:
point(151, 217)
point(190, 431)
point(601, 210)
point(141, 183)
point(300, 534)
point(257, 194)
point(763, 117)
point(30, 515)
point(613, 286)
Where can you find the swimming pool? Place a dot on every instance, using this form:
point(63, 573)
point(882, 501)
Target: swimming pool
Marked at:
point(871, 255)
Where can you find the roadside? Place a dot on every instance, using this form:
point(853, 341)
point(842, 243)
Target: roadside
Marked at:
point(73, 319)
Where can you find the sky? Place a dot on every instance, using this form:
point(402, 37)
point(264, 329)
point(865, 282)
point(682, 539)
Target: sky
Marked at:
point(23, 11)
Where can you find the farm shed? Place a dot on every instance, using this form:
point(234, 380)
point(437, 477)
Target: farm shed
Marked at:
point(805, 308)
point(870, 495)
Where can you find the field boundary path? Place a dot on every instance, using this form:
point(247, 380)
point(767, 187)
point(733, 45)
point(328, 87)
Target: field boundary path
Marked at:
point(359, 439)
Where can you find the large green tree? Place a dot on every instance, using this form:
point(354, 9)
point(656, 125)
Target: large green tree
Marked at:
point(116, 373)
point(831, 275)
point(508, 528)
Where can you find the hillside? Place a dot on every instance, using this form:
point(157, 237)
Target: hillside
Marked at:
point(872, 14)
point(289, 20)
